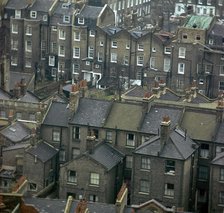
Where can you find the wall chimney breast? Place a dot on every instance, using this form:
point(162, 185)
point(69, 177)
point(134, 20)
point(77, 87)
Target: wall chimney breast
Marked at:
point(165, 131)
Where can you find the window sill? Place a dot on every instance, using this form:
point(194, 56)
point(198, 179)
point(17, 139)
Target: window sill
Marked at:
point(169, 173)
point(94, 185)
point(71, 183)
point(145, 170)
point(129, 147)
point(143, 193)
point(169, 197)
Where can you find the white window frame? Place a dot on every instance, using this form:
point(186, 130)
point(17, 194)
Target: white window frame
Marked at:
point(94, 179)
point(66, 19)
point(100, 56)
point(167, 50)
point(14, 60)
point(81, 20)
point(91, 52)
point(28, 63)
point(28, 46)
point(15, 28)
point(17, 14)
point(61, 50)
point(14, 44)
point(182, 52)
point(29, 30)
point(166, 64)
point(101, 43)
point(51, 61)
point(169, 190)
point(130, 142)
point(92, 33)
point(181, 68)
point(113, 58)
point(145, 163)
point(56, 136)
point(144, 186)
point(126, 60)
point(72, 178)
point(76, 52)
point(76, 36)
point(140, 60)
point(114, 44)
point(62, 34)
point(33, 14)
point(140, 47)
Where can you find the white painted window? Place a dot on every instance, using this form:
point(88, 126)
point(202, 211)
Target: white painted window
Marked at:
point(76, 52)
point(33, 14)
point(17, 13)
point(113, 58)
point(181, 68)
point(182, 52)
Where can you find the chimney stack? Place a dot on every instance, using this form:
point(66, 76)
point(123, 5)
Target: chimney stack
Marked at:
point(17, 91)
point(165, 131)
point(90, 142)
point(81, 207)
point(156, 88)
point(11, 115)
point(23, 86)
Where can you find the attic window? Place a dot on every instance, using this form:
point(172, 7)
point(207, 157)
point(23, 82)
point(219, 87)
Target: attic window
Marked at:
point(198, 37)
point(33, 14)
point(81, 20)
point(185, 36)
point(65, 6)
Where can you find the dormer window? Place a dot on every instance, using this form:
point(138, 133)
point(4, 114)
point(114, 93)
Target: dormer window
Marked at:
point(33, 14)
point(81, 20)
point(211, 41)
point(17, 13)
point(66, 19)
point(65, 5)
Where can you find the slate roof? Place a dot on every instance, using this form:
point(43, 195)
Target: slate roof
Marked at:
point(96, 207)
point(16, 146)
point(42, 5)
point(4, 95)
point(219, 159)
point(153, 118)
point(90, 12)
point(57, 115)
point(198, 22)
point(30, 98)
point(169, 95)
point(107, 156)
point(15, 4)
point(177, 147)
point(16, 77)
point(220, 134)
point(124, 116)
point(91, 112)
point(111, 30)
point(136, 91)
point(16, 132)
point(43, 151)
point(46, 205)
point(200, 125)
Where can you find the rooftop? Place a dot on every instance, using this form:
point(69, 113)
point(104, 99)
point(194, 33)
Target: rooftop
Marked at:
point(198, 22)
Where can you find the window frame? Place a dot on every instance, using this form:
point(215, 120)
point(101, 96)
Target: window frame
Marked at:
point(169, 190)
point(72, 177)
point(145, 163)
point(94, 179)
point(33, 14)
point(56, 136)
point(130, 142)
point(144, 186)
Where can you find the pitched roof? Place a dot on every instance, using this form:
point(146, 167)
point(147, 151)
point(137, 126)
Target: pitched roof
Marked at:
point(198, 22)
point(107, 156)
point(111, 30)
point(169, 95)
point(57, 115)
point(153, 118)
point(29, 97)
point(43, 151)
point(220, 134)
point(42, 5)
point(16, 77)
point(90, 12)
point(200, 125)
point(16, 132)
point(219, 159)
point(179, 146)
point(124, 116)
point(91, 112)
point(46, 205)
point(4, 95)
point(15, 4)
